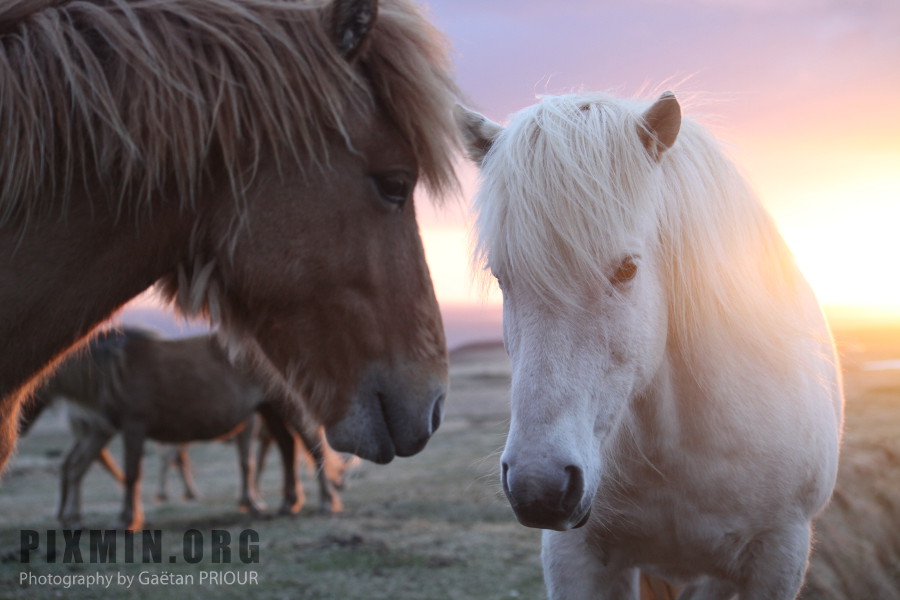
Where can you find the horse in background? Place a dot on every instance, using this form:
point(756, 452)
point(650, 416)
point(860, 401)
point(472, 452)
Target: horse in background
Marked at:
point(80, 425)
point(255, 159)
point(172, 391)
point(330, 468)
point(85, 424)
point(177, 457)
point(676, 398)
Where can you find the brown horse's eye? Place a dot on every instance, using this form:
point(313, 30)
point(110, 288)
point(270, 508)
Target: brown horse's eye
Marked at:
point(626, 271)
point(395, 188)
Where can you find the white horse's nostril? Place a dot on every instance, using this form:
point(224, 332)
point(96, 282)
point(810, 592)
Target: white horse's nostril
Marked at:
point(545, 500)
point(574, 490)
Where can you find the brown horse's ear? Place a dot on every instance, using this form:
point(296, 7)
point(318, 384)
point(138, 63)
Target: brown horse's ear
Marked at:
point(478, 133)
point(351, 23)
point(660, 125)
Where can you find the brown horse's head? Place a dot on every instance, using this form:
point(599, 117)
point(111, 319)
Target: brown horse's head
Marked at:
point(321, 268)
point(336, 293)
point(258, 159)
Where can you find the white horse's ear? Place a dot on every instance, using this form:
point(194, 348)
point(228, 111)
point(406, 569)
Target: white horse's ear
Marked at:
point(660, 125)
point(478, 133)
point(351, 23)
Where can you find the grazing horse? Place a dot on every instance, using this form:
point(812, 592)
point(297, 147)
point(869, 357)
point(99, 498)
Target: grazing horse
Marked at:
point(176, 455)
point(330, 467)
point(676, 399)
point(256, 159)
point(173, 391)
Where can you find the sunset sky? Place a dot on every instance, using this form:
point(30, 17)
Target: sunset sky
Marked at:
point(806, 93)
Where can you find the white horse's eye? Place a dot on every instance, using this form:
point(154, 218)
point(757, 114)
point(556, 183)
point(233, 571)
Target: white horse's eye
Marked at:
point(626, 271)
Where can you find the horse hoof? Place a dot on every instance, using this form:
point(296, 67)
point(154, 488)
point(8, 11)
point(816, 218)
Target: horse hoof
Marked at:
point(290, 509)
point(252, 508)
point(123, 525)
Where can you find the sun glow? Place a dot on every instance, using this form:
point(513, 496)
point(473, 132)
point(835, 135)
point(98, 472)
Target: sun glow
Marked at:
point(850, 257)
point(843, 225)
point(448, 252)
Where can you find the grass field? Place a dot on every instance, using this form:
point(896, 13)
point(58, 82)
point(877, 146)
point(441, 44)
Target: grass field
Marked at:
point(434, 526)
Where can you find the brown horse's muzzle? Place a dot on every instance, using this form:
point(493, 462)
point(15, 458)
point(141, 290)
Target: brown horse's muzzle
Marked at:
point(394, 413)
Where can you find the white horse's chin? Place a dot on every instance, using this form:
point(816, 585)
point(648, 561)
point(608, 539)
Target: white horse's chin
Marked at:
point(551, 517)
point(585, 516)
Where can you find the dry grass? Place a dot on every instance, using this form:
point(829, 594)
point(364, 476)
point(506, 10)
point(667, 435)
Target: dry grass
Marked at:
point(857, 544)
point(435, 526)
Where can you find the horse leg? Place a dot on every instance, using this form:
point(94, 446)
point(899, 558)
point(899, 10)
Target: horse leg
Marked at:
point(775, 564)
point(315, 445)
point(83, 453)
point(573, 572)
point(183, 463)
point(274, 418)
point(9, 426)
point(167, 457)
point(243, 441)
point(340, 480)
point(264, 442)
point(132, 516)
point(107, 462)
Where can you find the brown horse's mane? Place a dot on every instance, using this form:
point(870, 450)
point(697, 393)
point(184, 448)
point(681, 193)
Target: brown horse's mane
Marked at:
point(140, 96)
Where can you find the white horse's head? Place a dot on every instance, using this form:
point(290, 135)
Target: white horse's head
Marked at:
point(568, 219)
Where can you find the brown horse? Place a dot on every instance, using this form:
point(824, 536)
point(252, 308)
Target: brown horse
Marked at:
point(176, 455)
point(87, 425)
point(172, 391)
point(329, 467)
point(256, 159)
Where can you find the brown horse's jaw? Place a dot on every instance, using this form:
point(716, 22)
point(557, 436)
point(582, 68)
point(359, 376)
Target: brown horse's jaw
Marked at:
point(389, 417)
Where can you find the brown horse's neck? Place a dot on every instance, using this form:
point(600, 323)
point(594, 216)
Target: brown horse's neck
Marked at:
point(63, 277)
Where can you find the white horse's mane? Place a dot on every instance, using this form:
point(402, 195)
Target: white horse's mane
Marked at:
point(568, 183)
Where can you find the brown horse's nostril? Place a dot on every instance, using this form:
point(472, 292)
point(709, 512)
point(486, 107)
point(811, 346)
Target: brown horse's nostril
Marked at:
point(437, 414)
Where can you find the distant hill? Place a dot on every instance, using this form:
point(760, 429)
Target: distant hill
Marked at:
point(463, 325)
point(161, 320)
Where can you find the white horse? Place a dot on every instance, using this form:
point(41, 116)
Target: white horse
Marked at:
point(676, 400)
